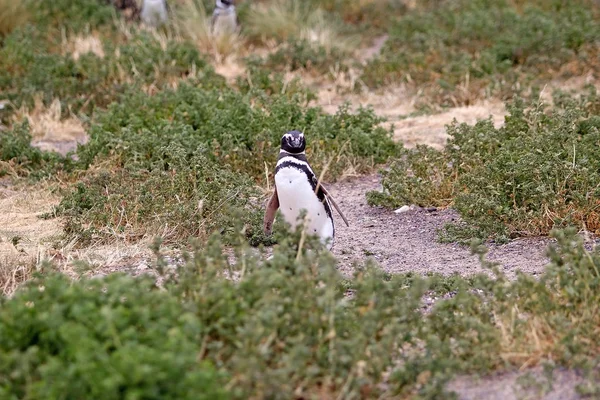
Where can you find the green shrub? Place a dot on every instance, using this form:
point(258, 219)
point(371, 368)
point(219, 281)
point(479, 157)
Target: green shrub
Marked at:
point(18, 156)
point(420, 176)
point(76, 15)
point(174, 149)
point(242, 131)
point(260, 81)
point(182, 195)
point(116, 337)
point(531, 175)
point(302, 54)
point(293, 327)
point(289, 328)
point(461, 50)
point(30, 65)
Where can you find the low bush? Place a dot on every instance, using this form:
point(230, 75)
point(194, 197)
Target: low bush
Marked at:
point(238, 327)
point(535, 173)
point(458, 50)
point(184, 195)
point(242, 131)
point(31, 66)
point(18, 157)
point(302, 54)
point(169, 151)
point(260, 81)
point(117, 337)
point(77, 14)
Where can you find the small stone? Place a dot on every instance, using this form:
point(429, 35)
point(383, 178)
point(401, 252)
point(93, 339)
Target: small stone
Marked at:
point(402, 209)
point(431, 209)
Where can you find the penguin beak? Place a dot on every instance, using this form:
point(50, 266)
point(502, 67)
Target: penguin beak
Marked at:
point(296, 142)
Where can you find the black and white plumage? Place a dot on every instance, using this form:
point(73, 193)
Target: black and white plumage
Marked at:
point(224, 19)
point(297, 188)
point(154, 13)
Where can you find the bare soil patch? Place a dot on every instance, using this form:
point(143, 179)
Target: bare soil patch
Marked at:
point(25, 239)
point(407, 242)
point(397, 106)
point(431, 129)
point(517, 385)
point(22, 232)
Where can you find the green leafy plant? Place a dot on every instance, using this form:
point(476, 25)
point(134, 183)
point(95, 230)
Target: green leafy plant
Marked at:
point(182, 195)
point(531, 175)
point(242, 131)
point(301, 54)
point(118, 337)
point(18, 157)
point(233, 326)
point(459, 52)
point(30, 66)
point(78, 14)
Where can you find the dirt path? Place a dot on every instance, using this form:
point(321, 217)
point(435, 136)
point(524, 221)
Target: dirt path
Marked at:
point(407, 242)
point(517, 385)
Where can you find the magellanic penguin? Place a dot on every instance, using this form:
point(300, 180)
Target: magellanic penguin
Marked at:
point(297, 188)
point(154, 13)
point(224, 19)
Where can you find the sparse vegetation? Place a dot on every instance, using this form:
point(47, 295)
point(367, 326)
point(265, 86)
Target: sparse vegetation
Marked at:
point(30, 69)
point(306, 34)
point(533, 174)
point(179, 153)
point(302, 54)
point(209, 146)
point(293, 327)
point(19, 158)
point(14, 271)
point(463, 50)
point(193, 23)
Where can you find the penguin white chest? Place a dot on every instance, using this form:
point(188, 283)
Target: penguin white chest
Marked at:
point(225, 24)
point(295, 194)
point(154, 12)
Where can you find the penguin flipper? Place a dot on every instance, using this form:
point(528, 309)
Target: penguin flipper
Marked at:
point(320, 187)
point(213, 20)
point(270, 212)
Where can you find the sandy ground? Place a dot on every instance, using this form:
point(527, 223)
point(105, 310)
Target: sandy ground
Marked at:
point(407, 242)
point(396, 105)
point(520, 385)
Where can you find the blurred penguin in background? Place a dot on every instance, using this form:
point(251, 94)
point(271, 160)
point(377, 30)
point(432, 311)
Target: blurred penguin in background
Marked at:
point(224, 18)
point(154, 13)
point(129, 8)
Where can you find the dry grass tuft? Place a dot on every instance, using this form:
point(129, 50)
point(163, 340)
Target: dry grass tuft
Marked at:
point(25, 239)
point(81, 45)
point(193, 23)
point(14, 270)
point(12, 14)
point(47, 124)
point(281, 20)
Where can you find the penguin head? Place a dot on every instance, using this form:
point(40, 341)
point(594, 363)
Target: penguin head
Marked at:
point(224, 3)
point(293, 142)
